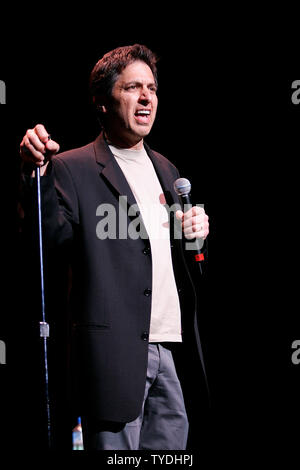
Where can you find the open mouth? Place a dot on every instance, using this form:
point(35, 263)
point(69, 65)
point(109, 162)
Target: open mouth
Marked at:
point(142, 116)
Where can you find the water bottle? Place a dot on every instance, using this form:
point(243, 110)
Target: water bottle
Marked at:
point(77, 436)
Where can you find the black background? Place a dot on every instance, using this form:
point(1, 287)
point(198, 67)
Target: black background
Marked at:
point(227, 122)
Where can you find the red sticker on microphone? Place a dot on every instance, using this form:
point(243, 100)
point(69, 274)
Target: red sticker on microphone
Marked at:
point(199, 257)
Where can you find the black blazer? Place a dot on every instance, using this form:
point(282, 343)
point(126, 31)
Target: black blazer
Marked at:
point(111, 279)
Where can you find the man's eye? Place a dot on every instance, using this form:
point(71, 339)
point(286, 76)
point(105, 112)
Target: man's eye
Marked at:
point(131, 87)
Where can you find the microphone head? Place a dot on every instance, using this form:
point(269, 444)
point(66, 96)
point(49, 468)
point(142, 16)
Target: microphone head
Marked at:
point(182, 186)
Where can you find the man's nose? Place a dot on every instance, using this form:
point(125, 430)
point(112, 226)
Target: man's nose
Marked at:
point(145, 95)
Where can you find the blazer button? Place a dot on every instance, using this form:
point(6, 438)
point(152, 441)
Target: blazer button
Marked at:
point(146, 250)
point(145, 336)
point(147, 292)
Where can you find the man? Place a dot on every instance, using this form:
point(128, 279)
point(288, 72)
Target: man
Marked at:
point(126, 311)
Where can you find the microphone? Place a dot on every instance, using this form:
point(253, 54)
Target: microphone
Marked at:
point(182, 187)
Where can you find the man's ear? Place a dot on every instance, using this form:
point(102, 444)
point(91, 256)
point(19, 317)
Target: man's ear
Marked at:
point(100, 104)
point(102, 108)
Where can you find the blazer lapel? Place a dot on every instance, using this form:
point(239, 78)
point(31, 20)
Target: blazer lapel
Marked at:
point(165, 176)
point(113, 173)
point(111, 170)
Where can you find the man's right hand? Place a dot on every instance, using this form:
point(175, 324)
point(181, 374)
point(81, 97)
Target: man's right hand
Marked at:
point(37, 147)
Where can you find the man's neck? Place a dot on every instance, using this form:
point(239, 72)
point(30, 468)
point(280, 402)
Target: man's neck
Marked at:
point(123, 143)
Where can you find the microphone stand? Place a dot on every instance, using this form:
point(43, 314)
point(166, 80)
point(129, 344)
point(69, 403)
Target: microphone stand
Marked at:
point(44, 326)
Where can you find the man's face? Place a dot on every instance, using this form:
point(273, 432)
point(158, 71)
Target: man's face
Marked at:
point(131, 111)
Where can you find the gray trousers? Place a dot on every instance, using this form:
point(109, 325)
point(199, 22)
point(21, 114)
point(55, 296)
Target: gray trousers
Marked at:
point(162, 423)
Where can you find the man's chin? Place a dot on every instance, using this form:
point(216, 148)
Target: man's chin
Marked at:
point(143, 131)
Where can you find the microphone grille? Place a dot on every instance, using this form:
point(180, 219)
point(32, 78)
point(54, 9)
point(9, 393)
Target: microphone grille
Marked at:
point(182, 186)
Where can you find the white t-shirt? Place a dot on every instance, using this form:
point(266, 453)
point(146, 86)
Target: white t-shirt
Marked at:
point(141, 176)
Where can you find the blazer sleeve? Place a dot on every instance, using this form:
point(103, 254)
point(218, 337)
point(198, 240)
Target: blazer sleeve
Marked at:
point(59, 203)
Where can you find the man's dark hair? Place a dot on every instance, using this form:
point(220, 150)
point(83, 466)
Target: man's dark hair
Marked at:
point(106, 71)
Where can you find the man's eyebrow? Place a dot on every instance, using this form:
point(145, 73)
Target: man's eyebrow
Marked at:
point(138, 82)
